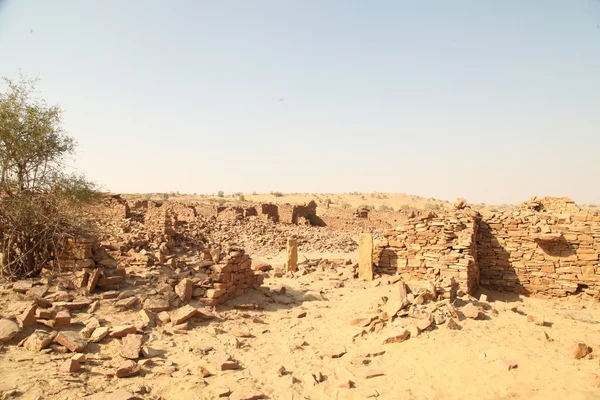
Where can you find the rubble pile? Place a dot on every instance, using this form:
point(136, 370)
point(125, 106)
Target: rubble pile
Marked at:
point(418, 306)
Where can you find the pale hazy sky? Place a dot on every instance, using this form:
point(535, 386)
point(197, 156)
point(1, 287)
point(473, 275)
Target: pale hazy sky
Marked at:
point(493, 101)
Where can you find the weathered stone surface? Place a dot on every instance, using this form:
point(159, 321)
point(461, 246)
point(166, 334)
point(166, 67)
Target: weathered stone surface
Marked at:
point(184, 290)
point(398, 337)
point(131, 346)
point(222, 362)
point(291, 264)
point(8, 330)
point(127, 368)
point(22, 286)
point(122, 331)
point(98, 334)
point(62, 318)
point(182, 314)
point(580, 350)
point(70, 365)
point(27, 317)
point(156, 305)
point(93, 280)
point(72, 341)
point(39, 340)
point(110, 281)
point(335, 351)
point(126, 303)
point(361, 322)
point(397, 300)
point(453, 325)
point(148, 317)
point(365, 256)
point(471, 311)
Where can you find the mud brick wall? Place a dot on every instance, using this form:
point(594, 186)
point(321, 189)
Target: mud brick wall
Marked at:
point(157, 219)
point(233, 276)
point(230, 213)
point(432, 246)
point(554, 253)
point(269, 211)
point(206, 210)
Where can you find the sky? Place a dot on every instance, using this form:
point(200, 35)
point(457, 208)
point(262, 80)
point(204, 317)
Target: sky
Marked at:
point(493, 101)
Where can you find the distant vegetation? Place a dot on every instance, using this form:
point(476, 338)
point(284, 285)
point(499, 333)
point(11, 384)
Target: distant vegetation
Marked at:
point(277, 194)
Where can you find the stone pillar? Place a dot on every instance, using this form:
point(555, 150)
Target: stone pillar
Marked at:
point(365, 256)
point(291, 264)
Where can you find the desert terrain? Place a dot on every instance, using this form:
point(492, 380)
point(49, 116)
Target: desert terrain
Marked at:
point(149, 325)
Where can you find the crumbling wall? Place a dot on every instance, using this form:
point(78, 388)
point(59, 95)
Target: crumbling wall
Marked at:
point(433, 246)
point(269, 211)
point(233, 276)
point(552, 251)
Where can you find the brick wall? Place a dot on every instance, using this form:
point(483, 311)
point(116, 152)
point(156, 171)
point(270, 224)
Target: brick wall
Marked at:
point(433, 245)
point(553, 252)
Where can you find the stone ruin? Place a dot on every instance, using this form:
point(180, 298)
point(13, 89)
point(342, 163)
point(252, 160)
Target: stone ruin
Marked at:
point(545, 246)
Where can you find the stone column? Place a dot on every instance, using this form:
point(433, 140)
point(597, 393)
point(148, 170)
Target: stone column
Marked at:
point(365, 256)
point(291, 265)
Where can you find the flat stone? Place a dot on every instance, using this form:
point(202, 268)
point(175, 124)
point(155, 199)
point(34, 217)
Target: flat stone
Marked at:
point(299, 314)
point(99, 333)
point(126, 303)
point(22, 286)
point(399, 337)
point(116, 395)
point(246, 394)
point(72, 341)
point(506, 364)
point(79, 357)
point(110, 281)
point(203, 372)
point(37, 291)
point(128, 368)
point(8, 330)
point(62, 318)
point(131, 346)
point(222, 362)
point(39, 340)
point(77, 304)
point(182, 314)
point(122, 330)
point(471, 311)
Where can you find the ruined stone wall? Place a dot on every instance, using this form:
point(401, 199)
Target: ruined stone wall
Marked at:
point(269, 211)
point(432, 246)
point(206, 210)
point(230, 213)
point(233, 276)
point(554, 253)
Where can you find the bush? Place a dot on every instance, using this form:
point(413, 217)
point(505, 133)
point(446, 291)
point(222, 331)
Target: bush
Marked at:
point(221, 202)
point(406, 207)
point(42, 208)
point(277, 194)
point(241, 198)
point(384, 207)
point(220, 193)
point(430, 206)
point(345, 205)
point(366, 206)
point(164, 196)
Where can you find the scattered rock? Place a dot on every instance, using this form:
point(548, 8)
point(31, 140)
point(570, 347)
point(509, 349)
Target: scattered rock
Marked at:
point(128, 368)
point(182, 314)
point(399, 337)
point(246, 394)
point(580, 350)
point(300, 314)
point(453, 325)
point(335, 352)
point(8, 330)
point(122, 331)
point(471, 311)
point(184, 290)
point(39, 340)
point(72, 341)
point(70, 365)
point(131, 346)
point(203, 372)
point(98, 334)
point(223, 362)
point(368, 373)
point(506, 364)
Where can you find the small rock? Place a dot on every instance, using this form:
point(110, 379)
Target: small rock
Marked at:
point(182, 314)
point(98, 334)
point(184, 290)
point(580, 350)
point(346, 385)
point(300, 314)
point(128, 368)
point(62, 318)
point(309, 379)
point(28, 318)
point(148, 317)
point(361, 322)
point(131, 346)
point(413, 330)
point(79, 357)
point(39, 340)
point(399, 337)
point(335, 352)
point(122, 331)
point(223, 362)
point(126, 303)
point(483, 298)
point(149, 352)
point(246, 394)
point(72, 341)
point(70, 365)
point(281, 371)
point(203, 372)
point(8, 330)
point(471, 311)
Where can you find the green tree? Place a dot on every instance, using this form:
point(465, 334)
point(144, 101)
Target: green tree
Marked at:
point(41, 205)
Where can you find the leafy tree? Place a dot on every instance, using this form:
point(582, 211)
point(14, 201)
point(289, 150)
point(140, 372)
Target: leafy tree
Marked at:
point(41, 205)
point(220, 193)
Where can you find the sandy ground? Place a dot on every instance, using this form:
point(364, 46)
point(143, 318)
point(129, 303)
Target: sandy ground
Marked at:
point(440, 364)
